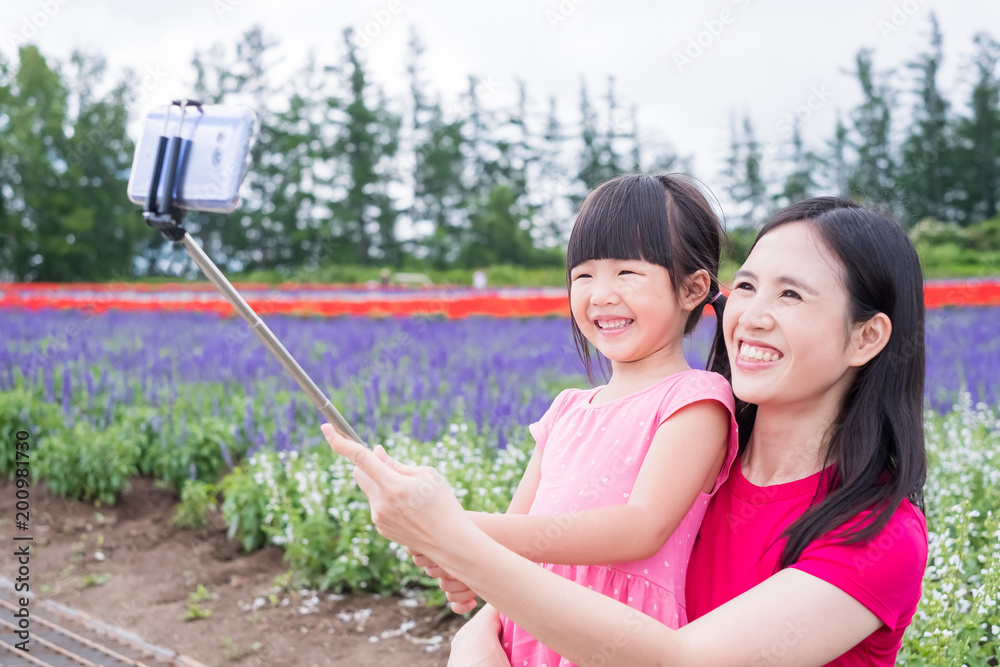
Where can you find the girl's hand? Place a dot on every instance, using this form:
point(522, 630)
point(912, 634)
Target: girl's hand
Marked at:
point(477, 643)
point(461, 597)
point(410, 505)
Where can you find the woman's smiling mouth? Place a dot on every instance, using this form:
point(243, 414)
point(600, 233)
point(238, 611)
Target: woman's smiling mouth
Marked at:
point(758, 353)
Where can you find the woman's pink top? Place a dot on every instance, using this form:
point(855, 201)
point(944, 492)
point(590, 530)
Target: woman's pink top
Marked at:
point(591, 455)
point(740, 545)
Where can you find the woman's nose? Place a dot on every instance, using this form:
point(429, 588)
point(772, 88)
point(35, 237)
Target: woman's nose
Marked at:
point(756, 314)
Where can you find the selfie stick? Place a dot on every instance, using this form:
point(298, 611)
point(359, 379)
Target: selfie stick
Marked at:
point(166, 217)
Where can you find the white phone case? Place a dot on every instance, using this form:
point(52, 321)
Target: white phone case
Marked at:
point(214, 156)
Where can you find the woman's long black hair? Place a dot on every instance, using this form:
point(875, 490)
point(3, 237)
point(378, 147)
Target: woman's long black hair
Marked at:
point(876, 444)
point(664, 220)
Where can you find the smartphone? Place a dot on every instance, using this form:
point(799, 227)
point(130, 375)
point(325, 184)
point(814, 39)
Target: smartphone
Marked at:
point(215, 153)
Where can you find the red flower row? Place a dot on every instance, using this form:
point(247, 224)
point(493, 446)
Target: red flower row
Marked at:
point(334, 300)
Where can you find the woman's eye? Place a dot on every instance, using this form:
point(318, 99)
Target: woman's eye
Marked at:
point(743, 286)
point(792, 294)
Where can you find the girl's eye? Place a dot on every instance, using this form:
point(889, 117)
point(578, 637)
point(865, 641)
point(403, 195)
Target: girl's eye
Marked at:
point(581, 275)
point(624, 271)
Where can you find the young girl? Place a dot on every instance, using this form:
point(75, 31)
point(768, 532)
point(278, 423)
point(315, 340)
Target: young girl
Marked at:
point(814, 548)
point(621, 474)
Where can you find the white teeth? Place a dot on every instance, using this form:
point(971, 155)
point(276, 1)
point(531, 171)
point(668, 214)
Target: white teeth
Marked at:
point(613, 324)
point(750, 353)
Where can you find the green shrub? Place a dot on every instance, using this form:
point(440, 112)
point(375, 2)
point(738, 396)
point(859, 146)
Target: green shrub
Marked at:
point(190, 447)
point(197, 500)
point(244, 507)
point(21, 411)
point(308, 504)
point(88, 463)
point(958, 622)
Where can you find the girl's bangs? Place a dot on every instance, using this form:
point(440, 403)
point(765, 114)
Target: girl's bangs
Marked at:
point(625, 218)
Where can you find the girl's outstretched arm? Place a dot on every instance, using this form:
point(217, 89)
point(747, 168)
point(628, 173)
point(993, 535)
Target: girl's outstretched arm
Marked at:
point(684, 459)
point(477, 643)
point(790, 619)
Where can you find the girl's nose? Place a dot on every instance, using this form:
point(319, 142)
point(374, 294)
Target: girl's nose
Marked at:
point(604, 292)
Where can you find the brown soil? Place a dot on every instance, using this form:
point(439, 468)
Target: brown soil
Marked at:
point(127, 566)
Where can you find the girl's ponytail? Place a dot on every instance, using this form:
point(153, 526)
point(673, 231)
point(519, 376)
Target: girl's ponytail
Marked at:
point(718, 356)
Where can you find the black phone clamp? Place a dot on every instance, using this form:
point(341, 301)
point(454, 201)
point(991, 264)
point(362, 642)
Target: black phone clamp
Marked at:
point(160, 212)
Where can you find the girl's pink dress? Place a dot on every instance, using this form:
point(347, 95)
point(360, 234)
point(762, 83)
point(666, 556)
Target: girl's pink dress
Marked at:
point(591, 455)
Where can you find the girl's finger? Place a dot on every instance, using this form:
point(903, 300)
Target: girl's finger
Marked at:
point(433, 570)
point(463, 607)
point(461, 596)
point(419, 559)
point(449, 585)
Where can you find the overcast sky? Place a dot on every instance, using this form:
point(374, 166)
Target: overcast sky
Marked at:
point(687, 66)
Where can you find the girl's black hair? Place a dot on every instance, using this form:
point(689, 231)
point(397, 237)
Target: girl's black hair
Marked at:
point(876, 443)
point(663, 219)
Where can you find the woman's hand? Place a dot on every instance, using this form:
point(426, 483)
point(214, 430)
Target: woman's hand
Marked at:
point(477, 643)
point(410, 505)
point(399, 495)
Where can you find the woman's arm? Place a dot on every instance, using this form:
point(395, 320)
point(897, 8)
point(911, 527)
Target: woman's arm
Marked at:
point(792, 618)
point(684, 458)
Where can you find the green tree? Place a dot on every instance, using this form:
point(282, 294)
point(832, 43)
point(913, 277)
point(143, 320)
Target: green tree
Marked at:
point(551, 182)
point(64, 212)
point(835, 167)
point(743, 179)
point(13, 235)
point(483, 163)
point(499, 232)
point(438, 148)
point(924, 170)
point(598, 160)
point(514, 158)
point(873, 175)
point(977, 154)
point(254, 237)
point(799, 182)
point(368, 141)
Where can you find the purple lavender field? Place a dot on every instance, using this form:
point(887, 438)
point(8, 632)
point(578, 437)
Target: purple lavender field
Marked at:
point(415, 376)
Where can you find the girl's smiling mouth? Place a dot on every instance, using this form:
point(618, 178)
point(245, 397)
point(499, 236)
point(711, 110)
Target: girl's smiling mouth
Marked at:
point(612, 324)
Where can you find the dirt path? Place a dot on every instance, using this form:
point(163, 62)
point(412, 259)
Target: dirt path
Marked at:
point(128, 567)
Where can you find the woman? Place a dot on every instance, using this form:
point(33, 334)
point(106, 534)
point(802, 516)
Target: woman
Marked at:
point(814, 549)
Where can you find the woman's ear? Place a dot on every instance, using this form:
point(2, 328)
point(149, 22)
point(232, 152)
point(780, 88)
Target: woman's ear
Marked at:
point(869, 339)
point(695, 289)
